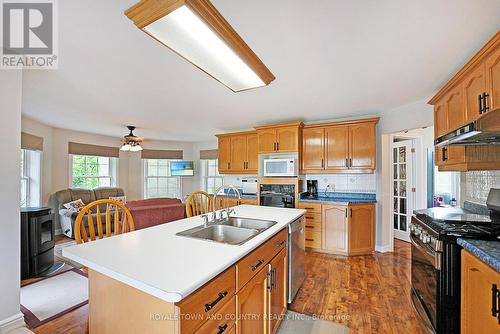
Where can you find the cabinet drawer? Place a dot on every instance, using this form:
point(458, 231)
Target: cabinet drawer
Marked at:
point(207, 300)
point(259, 258)
point(313, 217)
point(313, 239)
point(251, 201)
point(223, 321)
point(313, 227)
point(310, 207)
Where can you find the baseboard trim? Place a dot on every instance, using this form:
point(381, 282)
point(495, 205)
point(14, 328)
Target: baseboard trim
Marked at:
point(383, 249)
point(11, 323)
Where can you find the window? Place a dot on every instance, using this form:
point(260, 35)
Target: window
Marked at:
point(158, 179)
point(30, 178)
point(211, 179)
point(446, 187)
point(90, 172)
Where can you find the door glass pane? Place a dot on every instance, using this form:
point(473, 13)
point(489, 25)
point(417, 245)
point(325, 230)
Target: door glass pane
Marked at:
point(395, 154)
point(395, 205)
point(402, 223)
point(402, 154)
point(396, 171)
point(395, 188)
point(402, 171)
point(396, 221)
point(402, 188)
point(402, 205)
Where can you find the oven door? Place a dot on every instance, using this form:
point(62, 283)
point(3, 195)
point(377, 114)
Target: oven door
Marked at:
point(277, 200)
point(424, 279)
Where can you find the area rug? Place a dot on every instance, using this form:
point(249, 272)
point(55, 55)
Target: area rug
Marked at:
point(54, 296)
point(297, 323)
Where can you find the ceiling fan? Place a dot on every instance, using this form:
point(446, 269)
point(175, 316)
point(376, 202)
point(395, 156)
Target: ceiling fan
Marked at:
point(132, 142)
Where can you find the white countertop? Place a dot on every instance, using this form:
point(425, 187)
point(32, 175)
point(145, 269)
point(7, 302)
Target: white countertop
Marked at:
point(170, 267)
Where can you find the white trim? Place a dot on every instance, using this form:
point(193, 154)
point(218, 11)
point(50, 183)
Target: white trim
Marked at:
point(12, 323)
point(383, 249)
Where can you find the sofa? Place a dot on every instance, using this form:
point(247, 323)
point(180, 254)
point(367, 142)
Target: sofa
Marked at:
point(155, 211)
point(58, 199)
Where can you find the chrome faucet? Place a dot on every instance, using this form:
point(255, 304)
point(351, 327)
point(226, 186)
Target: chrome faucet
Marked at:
point(228, 210)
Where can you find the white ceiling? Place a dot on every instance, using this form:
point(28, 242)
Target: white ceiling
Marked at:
point(331, 58)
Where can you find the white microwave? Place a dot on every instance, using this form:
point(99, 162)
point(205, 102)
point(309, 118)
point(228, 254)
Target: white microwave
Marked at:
point(280, 167)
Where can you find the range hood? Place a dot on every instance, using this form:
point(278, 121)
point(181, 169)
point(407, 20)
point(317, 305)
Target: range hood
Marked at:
point(483, 131)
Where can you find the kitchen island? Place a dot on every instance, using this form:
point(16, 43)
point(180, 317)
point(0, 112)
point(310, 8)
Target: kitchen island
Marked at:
point(154, 281)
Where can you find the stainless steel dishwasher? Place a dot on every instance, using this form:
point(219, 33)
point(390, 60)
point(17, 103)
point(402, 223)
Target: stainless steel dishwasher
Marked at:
point(296, 256)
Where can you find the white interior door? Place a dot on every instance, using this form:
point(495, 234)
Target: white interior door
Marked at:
point(403, 187)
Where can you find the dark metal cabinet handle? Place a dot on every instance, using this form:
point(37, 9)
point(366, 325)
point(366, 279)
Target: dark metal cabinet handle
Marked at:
point(486, 107)
point(309, 239)
point(346, 162)
point(495, 300)
point(480, 98)
point(211, 305)
point(277, 146)
point(346, 212)
point(350, 162)
point(322, 163)
point(257, 265)
point(351, 213)
point(269, 280)
point(281, 243)
point(445, 153)
point(222, 329)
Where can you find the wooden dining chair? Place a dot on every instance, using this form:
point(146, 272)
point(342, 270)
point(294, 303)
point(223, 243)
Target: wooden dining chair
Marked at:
point(116, 221)
point(198, 203)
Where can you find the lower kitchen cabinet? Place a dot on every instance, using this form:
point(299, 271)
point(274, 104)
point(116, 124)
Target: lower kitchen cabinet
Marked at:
point(340, 229)
point(253, 304)
point(278, 290)
point(480, 297)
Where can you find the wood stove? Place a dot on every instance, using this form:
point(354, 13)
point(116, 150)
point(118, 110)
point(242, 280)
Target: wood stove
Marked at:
point(37, 241)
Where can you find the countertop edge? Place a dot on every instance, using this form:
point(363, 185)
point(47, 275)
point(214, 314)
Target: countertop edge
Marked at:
point(483, 256)
point(173, 297)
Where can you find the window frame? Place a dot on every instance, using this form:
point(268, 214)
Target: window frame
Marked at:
point(205, 171)
point(31, 161)
point(146, 177)
point(112, 172)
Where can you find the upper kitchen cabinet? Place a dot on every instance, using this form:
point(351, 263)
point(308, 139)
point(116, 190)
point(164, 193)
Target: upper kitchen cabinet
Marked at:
point(492, 65)
point(280, 137)
point(238, 153)
point(344, 147)
point(471, 94)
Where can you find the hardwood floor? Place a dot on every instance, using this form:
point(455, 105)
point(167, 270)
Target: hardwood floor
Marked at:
point(368, 294)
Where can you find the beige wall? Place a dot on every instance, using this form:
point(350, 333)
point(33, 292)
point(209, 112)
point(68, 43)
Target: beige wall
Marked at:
point(10, 137)
point(55, 159)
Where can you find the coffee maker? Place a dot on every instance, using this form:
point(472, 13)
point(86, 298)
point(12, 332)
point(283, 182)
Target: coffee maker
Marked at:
point(312, 189)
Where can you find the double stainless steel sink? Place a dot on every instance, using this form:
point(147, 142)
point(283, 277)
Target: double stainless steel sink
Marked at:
point(232, 230)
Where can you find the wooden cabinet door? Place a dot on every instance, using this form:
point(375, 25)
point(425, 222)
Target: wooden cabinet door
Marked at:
point(267, 140)
point(455, 155)
point(455, 108)
point(440, 119)
point(313, 148)
point(362, 146)
point(278, 295)
point(253, 304)
point(238, 152)
point(474, 85)
point(477, 281)
point(334, 227)
point(232, 201)
point(438, 156)
point(493, 79)
point(337, 148)
point(224, 154)
point(361, 229)
point(287, 139)
point(252, 153)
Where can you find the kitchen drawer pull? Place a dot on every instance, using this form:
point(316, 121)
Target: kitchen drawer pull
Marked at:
point(211, 305)
point(309, 226)
point(281, 243)
point(257, 265)
point(495, 296)
point(222, 329)
point(346, 162)
point(307, 239)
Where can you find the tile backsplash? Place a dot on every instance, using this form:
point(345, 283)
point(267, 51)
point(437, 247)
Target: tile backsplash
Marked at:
point(361, 183)
point(474, 186)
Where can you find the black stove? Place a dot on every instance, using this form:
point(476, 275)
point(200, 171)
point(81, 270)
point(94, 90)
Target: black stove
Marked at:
point(436, 259)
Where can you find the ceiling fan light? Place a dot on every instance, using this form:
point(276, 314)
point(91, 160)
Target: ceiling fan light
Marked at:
point(135, 148)
point(125, 147)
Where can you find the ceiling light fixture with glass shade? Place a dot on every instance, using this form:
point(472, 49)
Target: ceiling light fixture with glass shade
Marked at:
point(196, 31)
point(132, 142)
